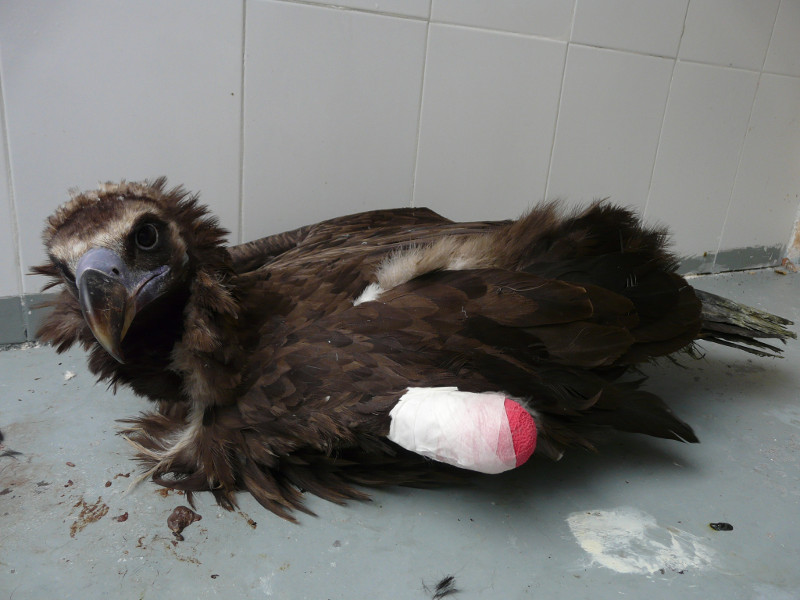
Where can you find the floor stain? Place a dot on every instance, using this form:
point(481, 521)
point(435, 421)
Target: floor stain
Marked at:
point(247, 518)
point(185, 558)
point(90, 513)
point(166, 492)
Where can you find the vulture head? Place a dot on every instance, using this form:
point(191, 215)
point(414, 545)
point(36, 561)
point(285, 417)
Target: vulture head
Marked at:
point(127, 249)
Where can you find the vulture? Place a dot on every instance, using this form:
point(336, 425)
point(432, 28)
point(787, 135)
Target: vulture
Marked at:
point(391, 347)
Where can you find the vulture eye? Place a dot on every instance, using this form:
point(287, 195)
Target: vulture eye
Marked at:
point(147, 236)
point(67, 275)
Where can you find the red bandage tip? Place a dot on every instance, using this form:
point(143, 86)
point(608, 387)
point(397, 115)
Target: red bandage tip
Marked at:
point(523, 430)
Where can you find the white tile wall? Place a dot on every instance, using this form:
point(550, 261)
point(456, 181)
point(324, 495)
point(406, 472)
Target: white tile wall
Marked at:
point(96, 90)
point(374, 103)
point(9, 285)
point(698, 154)
point(546, 18)
point(767, 190)
point(411, 8)
point(331, 113)
point(646, 26)
point(488, 114)
point(732, 33)
point(9, 269)
point(783, 55)
point(612, 106)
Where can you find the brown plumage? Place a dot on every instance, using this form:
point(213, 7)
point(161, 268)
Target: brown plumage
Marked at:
point(274, 364)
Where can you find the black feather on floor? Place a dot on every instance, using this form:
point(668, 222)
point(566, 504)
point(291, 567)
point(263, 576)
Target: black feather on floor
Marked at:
point(445, 587)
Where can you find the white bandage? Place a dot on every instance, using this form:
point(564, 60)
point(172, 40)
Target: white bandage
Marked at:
point(463, 429)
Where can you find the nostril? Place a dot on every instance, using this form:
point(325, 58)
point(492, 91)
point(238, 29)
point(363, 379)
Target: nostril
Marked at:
point(115, 271)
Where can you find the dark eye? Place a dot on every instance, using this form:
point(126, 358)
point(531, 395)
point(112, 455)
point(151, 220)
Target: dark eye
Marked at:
point(66, 273)
point(147, 236)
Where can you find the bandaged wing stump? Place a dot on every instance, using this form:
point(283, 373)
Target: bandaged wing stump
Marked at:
point(486, 432)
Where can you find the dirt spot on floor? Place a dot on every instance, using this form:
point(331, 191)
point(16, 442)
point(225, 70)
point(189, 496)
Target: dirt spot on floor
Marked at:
point(184, 557)
point(165, 492)
point(180, 519)
point(90, 513)
point(247, 518)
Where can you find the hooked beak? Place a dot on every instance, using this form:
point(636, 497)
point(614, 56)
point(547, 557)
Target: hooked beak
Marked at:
point(111, 295)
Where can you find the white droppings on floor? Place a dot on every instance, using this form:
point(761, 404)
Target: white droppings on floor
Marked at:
point(628, 540)
point(266, 584)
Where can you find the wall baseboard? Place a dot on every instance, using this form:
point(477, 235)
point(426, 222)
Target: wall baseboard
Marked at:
point(736, 259)
point(20, 317)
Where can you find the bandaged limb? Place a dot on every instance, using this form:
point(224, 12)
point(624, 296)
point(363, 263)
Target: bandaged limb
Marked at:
point(485, 432)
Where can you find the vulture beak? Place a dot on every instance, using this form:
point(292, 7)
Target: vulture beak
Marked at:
point(111, 294)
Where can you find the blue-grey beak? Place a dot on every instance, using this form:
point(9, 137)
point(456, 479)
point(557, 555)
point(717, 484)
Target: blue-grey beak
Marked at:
point(111, 295)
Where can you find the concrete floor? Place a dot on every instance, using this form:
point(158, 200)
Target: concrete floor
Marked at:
point(631, 521)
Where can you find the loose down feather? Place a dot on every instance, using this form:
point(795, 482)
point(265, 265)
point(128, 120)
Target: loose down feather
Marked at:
point(273, 365)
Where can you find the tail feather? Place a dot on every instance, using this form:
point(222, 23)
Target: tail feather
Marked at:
point(739, 326)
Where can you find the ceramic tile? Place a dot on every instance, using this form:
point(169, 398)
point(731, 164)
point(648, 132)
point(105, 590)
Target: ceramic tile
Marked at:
point(103, 91)
point(411, 8)
point(488, 113)
point(612, 106)
point(9, 269)
point(767, 190)
point(647, 26)
point(331, 113)
point(783, 55)
point(732, 33)
point(546, 18)
point(698, 154)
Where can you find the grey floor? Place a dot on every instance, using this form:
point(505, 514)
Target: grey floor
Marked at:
point(632, 521)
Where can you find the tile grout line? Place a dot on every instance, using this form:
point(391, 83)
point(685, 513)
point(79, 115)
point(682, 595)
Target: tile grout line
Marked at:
point(558, 105)
point(664, 115)
point(413, 203)
point(366, 11)
point(12, 204)
point(744, 140)
point(240, 236)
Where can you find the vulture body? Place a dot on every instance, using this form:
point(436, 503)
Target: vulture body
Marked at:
point(275, 365)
